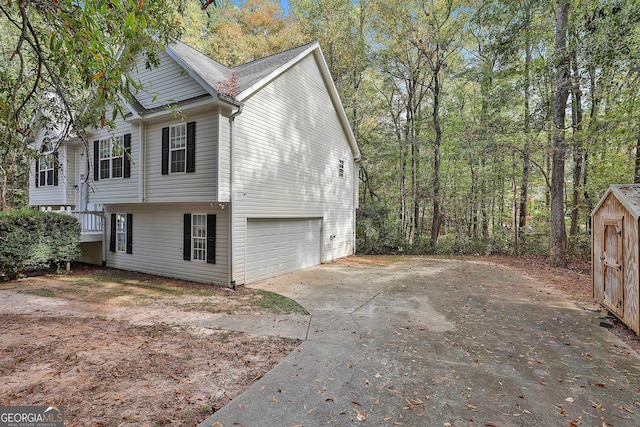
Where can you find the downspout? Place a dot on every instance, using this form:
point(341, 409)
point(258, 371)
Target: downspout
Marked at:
point(356, 197)
point(142, 131)
point(232, 282)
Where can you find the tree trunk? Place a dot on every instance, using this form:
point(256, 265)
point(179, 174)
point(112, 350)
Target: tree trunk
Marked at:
point(558, 232)
point(526, 162)
point(437, 215)
point(3, 190)
point(576, 119)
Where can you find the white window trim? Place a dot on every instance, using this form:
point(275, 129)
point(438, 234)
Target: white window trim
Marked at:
point(194, 238)
point(172, 139)
point(114, 154)
point(121, 230)
point(48, 160)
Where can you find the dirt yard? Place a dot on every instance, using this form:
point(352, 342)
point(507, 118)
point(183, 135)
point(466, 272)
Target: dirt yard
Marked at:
point(94, 343)
point(102, 343)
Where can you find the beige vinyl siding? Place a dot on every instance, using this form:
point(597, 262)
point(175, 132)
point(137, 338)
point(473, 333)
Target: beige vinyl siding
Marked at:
point(158, 242)
point(116, 190)
point(70, 174)
point(288, 143)
point(165, 84)
point(62, 194)
point(183, 187)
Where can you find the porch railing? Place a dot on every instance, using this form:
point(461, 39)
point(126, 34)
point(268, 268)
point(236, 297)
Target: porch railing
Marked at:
point(91, 221)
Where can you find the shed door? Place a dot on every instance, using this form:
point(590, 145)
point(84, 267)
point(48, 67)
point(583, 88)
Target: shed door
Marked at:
point(278, 246)
point(612, 266)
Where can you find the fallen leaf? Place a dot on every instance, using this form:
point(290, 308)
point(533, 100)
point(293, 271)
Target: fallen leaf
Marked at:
point(360, 416)
point(569, 399)
point(624, 409)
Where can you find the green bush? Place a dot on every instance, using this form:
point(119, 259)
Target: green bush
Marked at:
point(30, 238)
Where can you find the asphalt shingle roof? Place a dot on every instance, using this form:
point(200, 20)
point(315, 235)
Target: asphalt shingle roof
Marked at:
point(254, 71)
point(213, 72)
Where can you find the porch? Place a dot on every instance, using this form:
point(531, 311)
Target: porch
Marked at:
point(91, 222)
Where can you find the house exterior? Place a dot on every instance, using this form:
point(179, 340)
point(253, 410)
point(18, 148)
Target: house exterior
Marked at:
point(213, 187)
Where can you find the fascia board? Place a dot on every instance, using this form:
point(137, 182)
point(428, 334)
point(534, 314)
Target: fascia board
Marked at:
point(211, 91)
point(248, 92)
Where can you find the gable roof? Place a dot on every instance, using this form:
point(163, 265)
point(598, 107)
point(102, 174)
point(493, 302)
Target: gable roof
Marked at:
point(203, 69)
point(254, 75)
point(627, 194)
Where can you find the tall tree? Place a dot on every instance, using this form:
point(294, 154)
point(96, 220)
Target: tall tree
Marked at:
point(444, 26)
point(242, 32)
point(561, 63)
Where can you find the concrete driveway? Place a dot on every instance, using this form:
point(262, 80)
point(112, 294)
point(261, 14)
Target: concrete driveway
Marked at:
point(425, 342)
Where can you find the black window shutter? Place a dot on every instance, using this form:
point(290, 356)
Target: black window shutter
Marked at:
point(186, 250)
point(56, 167)
point(211, 239)
point(191, 147)
point(165, 151)
point(37, 172)
point(112, 237)
point(129, 233)
point(96, 160)
point(127, 156)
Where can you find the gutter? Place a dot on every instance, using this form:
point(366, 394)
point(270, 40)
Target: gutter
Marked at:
point(232, 281)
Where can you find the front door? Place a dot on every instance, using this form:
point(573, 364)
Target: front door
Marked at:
point(612, 266)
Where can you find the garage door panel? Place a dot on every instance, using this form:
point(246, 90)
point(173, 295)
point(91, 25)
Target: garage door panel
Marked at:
point(278, 246)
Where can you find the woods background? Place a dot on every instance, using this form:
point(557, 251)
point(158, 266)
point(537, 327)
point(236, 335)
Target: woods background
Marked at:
point(487, 126)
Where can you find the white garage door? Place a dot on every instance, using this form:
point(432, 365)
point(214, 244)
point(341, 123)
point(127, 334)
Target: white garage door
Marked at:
point(278, 246)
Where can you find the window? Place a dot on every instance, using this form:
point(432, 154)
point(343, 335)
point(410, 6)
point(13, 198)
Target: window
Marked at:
point(46, 171)
point(111, 158)
point(47, 167)
point(199, 238)
point(341, 168)
point(121, 233)
point(178, 147)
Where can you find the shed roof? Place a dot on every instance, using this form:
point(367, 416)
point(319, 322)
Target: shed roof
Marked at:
point(627, 194)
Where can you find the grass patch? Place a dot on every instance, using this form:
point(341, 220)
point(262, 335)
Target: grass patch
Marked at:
point(277, 304)
point(123, 288)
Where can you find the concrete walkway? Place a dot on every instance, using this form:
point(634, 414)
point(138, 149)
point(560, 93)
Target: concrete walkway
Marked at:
point(438, 343)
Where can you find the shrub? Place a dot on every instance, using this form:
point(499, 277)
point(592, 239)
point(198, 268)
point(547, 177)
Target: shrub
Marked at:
point(30, 238)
